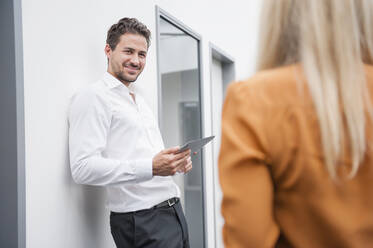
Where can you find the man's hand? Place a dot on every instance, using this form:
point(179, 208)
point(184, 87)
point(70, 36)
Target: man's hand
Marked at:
point(168, 162)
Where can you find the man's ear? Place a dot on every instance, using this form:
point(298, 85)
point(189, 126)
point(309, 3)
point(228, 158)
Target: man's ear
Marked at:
point(107, 50)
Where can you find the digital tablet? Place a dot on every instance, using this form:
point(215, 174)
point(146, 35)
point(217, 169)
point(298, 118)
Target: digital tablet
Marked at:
point(195, 145)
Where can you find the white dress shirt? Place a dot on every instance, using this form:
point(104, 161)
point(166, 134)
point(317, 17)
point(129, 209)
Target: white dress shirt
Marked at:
point(112, 141)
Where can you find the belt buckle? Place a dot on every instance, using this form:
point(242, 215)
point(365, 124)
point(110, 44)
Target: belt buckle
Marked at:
point(171, 202)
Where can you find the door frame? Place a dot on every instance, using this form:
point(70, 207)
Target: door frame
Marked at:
point(229, 73)
point(12, 129)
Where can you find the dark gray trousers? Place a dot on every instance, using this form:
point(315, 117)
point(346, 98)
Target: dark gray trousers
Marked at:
point(163, 227)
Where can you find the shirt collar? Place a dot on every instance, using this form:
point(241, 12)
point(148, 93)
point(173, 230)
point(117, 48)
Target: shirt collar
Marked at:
point(113, 82)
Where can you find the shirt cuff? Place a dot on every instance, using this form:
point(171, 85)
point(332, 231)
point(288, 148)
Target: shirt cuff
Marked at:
point(144, 170)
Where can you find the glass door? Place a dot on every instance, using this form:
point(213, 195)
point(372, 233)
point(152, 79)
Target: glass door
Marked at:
point(180, 113)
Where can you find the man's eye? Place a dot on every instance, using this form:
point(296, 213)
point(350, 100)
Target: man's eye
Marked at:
point(128, 51)
point(142, 55)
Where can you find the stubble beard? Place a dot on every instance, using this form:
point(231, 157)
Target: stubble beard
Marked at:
point(125, 79)
point(122, 77)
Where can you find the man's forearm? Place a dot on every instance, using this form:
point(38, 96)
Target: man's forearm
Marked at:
point(99, 171)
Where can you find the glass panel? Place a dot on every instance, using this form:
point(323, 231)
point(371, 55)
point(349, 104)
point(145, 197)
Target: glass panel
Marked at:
point(181, 116)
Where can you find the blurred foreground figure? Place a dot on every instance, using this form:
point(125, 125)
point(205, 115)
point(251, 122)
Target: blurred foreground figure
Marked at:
point(296, 159)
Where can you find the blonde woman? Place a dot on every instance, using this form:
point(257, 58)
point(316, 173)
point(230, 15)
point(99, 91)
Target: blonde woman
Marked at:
point(296, 159)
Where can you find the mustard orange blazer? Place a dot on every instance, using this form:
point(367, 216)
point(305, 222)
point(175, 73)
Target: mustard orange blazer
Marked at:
point(276, 189)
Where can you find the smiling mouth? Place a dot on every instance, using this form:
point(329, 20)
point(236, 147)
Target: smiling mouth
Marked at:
point(134, 70)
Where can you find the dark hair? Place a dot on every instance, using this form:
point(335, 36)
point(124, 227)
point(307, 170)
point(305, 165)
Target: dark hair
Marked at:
point(126, 25)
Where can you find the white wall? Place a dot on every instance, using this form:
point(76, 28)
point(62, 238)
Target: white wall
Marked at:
point(63, 51)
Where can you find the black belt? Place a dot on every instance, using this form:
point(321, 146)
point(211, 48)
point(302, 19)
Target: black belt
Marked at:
point(167, 203)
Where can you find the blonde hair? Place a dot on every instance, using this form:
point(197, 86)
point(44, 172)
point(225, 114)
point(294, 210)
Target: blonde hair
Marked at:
point(331, 39)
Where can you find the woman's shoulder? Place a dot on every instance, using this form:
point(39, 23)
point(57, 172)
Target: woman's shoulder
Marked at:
point(280, 84)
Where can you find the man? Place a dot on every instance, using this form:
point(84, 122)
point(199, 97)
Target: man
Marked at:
point(115, 142)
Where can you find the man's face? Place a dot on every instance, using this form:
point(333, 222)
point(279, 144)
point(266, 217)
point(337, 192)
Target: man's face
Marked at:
point(127, 60)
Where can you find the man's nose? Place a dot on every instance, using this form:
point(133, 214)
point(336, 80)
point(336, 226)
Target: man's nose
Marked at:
point(135, 60)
